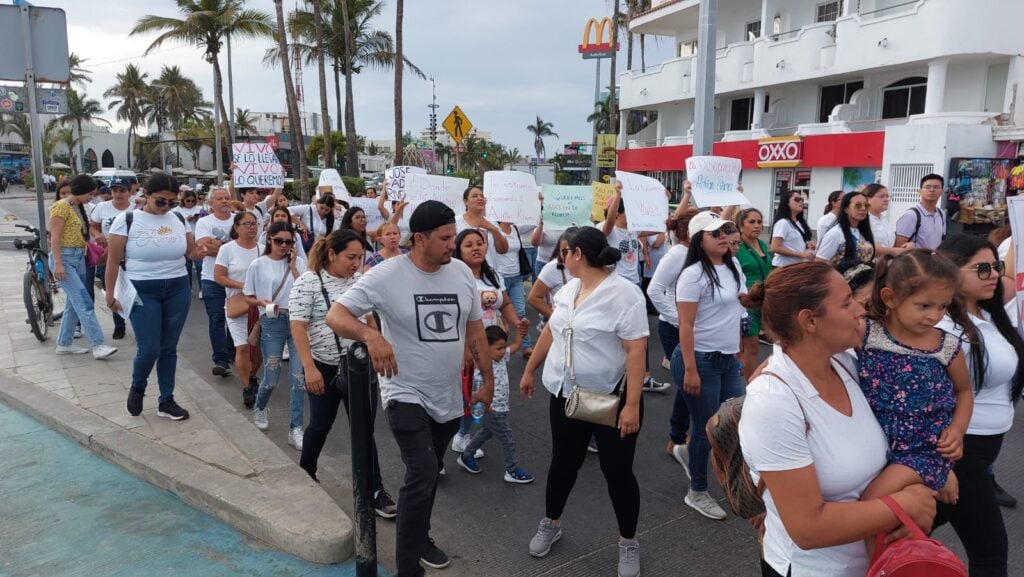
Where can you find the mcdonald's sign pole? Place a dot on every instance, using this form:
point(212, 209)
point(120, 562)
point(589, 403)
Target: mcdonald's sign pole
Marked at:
point(704, 104)
point(597, 50)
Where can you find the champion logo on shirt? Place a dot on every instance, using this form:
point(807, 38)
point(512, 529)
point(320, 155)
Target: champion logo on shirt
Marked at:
point(437, 317)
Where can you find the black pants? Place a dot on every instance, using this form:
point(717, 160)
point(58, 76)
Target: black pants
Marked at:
point(422, 442)
point(569, 439)
point(767, 571)
point(323, 410)
point(976, 517)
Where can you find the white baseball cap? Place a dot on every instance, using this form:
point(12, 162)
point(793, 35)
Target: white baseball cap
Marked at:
point(706, 221)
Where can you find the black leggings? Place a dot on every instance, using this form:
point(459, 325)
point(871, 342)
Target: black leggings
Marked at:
point(767, 571)
point(976, 517)
point(569, 439)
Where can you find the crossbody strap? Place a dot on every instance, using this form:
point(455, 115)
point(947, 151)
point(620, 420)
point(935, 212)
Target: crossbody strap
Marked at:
point(284, 279)
point(327, 301)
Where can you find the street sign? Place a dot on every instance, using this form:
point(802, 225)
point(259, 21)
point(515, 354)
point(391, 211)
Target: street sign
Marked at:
point(457, 125)
point(606, 150)
point(49, 44)
point(51, 100)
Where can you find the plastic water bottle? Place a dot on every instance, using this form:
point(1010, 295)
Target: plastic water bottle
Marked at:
point(476, 410)
point(40, 271)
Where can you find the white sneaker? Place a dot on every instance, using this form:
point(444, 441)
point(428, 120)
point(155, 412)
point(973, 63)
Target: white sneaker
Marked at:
point(681, 454)
point(71, 350)
point(103, 351)
point(78, 333)
point(295, 438)
point(459, 442)
point(285, 356)
point(703, 503)
point(666, 364)
point(629, 558)
point(200, 295)
point(259, 418)
point(653, 386)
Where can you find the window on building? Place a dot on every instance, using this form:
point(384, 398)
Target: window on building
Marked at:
point(834, 95)
point(688, 48)
point(753, 30)
point(904, 98)
point(828, 11)
point(742, 113)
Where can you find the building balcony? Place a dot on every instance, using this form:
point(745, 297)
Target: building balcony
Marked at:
point(668, 81)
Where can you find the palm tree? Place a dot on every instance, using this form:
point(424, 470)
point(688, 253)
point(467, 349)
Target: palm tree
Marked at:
point(539, 131)
point(399, 15)
point(17, 124)
point(194, 135)
point(298, 148)
point(511, 156)
point(318, 36)
point(205, 24)
point(601, 115)
point(81, 109)
point(52, 136)
point(245, 123)
point(79, 75)
point(175, 100)
point(614, 79)
point(129, 96)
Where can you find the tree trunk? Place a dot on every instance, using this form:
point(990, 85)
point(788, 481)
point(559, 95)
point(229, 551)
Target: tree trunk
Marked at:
point(399, 64)
point(80, 163)
point(612, 105)
point(351, 158)
point(298, 150)
point(322, 74)
point(218, 94)
point(131, 132)
point(337, 95)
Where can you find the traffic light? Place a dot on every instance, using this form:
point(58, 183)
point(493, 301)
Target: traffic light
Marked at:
point(433, 124)
point(484, 155)
point(449, 169)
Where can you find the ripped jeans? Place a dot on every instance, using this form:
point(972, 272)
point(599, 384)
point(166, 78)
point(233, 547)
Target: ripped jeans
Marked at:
point(275, 333)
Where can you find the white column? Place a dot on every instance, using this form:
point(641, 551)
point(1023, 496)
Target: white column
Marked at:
point(659, 134)
point(1013, 100)
point(759, 96)
point(936, 96)
point(766, 24)
point(620, 142)
point(847, 6)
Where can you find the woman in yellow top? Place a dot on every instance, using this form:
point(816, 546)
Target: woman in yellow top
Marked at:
point(68, 234)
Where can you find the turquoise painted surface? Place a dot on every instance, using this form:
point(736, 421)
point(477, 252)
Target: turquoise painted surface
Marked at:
point(64, 512)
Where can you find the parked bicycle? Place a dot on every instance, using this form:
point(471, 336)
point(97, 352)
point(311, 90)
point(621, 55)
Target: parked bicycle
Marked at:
point(44, 300)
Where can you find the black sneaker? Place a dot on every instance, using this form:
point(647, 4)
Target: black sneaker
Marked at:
point(1003, 498)
point(434, 557)
point(221, 371)
point(249, 397)
point(118, 333)
point(172, 411)
point(384, 505)
point(135, 401)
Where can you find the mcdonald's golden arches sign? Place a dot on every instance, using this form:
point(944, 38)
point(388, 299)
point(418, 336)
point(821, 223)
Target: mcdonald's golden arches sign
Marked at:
point(598, 48)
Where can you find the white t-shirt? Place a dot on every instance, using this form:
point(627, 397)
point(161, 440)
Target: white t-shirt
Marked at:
point(104, 214)
point(834, 243)
point(882, 230)
point(791, 239)
point(492, 252)
point(548, 241)
point(553, 278)
point(306, 303)
point(312, 220)
point(628, 243)
point(825, 223)
point(236, 259)
point(212, 227)
point(716, 328)
point(993, 411)
point(847, 454)
point(662, 290)
point(1004, 248)
point(508, 264)
point(156, 245)
point(189, 213)
point(614, 311)
point(423, 315)
point(265, 274)
point(491, 300)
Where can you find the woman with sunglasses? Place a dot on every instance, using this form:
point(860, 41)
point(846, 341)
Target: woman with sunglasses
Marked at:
point(233, 260)
point(791, 237)
point(153, 243)
point(268, 282)
point(851, 240)
point(553, 276)
point(281, 214)
point(995, 358)
point(708, 296)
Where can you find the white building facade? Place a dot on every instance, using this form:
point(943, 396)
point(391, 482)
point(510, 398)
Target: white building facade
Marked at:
point(820, 96)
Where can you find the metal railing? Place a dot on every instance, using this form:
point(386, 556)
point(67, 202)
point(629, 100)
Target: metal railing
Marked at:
point(882, 11)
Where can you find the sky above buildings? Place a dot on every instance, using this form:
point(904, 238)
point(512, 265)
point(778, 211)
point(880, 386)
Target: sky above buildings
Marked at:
point(502, 62)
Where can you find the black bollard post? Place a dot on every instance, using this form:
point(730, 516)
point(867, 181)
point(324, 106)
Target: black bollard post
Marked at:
point(360, 413)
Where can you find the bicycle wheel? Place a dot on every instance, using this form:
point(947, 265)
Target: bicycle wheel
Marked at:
point(35, 305)
point(58, 301)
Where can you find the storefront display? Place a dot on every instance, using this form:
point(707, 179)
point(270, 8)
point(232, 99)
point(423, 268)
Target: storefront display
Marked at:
point(977, 189)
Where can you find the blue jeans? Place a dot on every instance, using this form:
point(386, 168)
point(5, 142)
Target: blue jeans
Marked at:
point(213, 299)
point(79, 307)
point(157, 326)
point(516, 293)
point(531, 253)
point(720, 380)
point(275, 333)
point(679, 422)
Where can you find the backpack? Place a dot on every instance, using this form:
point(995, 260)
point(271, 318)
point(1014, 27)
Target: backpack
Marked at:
point(915, 556)
point(917, 223)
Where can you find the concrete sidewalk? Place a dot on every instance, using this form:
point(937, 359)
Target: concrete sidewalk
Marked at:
point(215, 461)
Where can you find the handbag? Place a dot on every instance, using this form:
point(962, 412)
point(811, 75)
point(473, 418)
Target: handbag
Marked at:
point(587, 405)
point(525, 267)
point(93, 254)
point(915, 556)
point(236, 306)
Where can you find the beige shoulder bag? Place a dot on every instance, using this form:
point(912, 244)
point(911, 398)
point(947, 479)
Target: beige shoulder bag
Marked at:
point(587, 405)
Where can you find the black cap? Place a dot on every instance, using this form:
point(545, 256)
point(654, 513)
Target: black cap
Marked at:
point(104, 190)
point(430, 215)
point(118, 182)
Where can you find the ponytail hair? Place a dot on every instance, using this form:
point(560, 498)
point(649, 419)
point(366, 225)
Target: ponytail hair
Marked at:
point(337, 241)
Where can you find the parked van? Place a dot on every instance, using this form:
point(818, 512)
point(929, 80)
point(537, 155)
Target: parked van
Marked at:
point(105, 175)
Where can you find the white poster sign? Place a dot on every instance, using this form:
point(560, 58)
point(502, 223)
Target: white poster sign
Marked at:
point(714, 180)
point(369, 206)
point(256, 166)
point(422, 187)
point(1015, 212)
point(645, 202)
point(395, 179)
point(511, 197)
point(331, 178)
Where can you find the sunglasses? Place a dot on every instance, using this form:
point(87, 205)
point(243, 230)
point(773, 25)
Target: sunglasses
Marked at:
point(984, 269)
point(283, 241)
point(726, 230)
point(163, 203)
point(859, 205)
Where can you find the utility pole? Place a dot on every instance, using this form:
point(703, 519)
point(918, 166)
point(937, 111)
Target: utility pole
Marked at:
point(231, 97)
point(594, 170)
point(433, 124)
point(704, 107)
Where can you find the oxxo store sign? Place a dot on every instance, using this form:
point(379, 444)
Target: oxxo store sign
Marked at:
point(780, 152)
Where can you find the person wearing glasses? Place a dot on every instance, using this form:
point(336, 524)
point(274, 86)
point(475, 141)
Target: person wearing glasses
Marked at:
point(791, 237)
point(233, 260)
point(152, 245)
point(924, 224)
point(851, 239)
point(192, 212)
point(268, 283)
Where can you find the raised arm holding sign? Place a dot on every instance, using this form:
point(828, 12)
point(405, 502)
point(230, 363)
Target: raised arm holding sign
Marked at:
point(511, 197)
point(644, 200)
point(394, 177)
point(715, 181)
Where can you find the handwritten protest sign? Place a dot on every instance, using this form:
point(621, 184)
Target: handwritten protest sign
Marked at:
point(645, 201)
point(602, 192)
point(714, 180)
point(331, 178)
point(422, 187)
point(256, 166)
point(369, 206)
point(511, 197)
point(566, 206)
point(395, 178)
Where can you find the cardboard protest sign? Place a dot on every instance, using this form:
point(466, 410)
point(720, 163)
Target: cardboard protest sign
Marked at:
point(566, 206)
point(645, 201)
point(602, 192)
point(511, 197)
point(421, 187)
point(395, 178)
point(331, 178)
point(369, 206)
point(714, 180)
point(256, 166)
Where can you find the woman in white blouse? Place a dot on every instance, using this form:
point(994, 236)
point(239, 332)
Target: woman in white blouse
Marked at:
point(791, 237)
point(851, 239)
point(881, 228)
point(233, 260)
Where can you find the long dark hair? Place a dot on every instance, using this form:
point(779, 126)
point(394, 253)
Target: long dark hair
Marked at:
point(784, 213)
point(346, 224)
point(864, 227)
point(486, 272)
point(593, 245)
point(832, 198)
point(276, 228)
point(327, 200)
point(696, 254)
point(555, 254)
point(960, 249)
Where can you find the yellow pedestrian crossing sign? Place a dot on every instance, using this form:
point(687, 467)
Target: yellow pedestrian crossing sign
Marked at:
point(457, 125)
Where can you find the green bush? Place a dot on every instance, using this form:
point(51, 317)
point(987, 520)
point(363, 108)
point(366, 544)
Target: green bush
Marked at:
point(356, 186)
point(30, 180)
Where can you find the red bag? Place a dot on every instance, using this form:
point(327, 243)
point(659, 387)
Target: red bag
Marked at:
point(915, 556)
